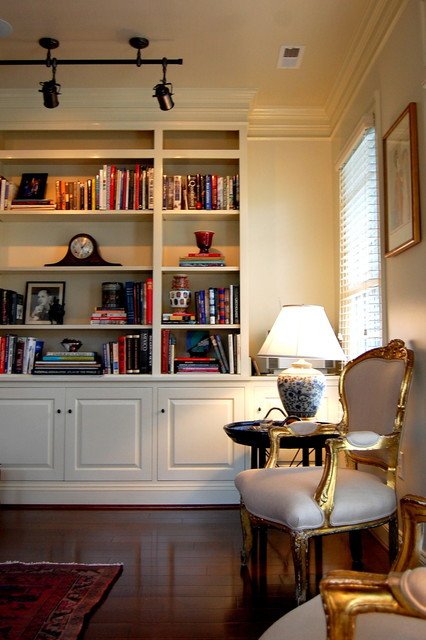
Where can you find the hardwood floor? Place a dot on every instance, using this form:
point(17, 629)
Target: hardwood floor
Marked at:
point(181, 576)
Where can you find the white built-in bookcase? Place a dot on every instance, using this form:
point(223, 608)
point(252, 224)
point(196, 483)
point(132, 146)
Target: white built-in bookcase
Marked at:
point(146, 243)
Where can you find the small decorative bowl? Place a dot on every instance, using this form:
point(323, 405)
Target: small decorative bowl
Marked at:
point(71, 344)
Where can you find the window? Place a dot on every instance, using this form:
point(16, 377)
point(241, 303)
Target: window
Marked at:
point(360, 267)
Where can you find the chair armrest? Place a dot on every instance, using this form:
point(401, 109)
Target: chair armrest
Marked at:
point(324, 494)
point(345, 594)
point(297, 429)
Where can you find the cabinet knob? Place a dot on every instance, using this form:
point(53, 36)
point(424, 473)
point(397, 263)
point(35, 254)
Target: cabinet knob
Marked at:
point(259, 409)
point(69, 411)
point(58, 411)
point(163, 411)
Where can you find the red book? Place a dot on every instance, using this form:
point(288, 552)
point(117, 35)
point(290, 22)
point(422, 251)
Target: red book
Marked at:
point(149, 293)
point(112, 186)
point(122, 366)
point(2, 354)
point(204, 255)
point(136, 198)
point(165, 339)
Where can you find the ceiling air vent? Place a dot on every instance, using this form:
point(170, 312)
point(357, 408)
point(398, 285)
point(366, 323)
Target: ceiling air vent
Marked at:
point(290, 56)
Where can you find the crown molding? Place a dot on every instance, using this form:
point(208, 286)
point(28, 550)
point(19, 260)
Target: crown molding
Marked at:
point(379, 21)
point(23, 108)
point(288, 122)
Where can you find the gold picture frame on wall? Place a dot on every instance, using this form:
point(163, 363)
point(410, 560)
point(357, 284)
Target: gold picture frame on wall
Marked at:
point(402, 192)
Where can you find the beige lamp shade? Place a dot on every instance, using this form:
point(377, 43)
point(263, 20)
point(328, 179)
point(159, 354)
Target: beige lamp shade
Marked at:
point(302, 331)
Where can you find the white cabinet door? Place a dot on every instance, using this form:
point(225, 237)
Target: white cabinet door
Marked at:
point(32, 433)
point(192, 444)
point(109, 434)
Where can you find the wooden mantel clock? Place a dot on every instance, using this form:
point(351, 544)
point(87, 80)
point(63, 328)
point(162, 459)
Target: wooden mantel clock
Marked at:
point(82, 252)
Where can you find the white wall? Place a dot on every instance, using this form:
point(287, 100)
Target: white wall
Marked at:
point(396, 79)
point(292, 238)
point(293, 209)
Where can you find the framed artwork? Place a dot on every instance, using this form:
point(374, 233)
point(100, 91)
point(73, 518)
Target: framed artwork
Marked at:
point(32, 187)
point(44, 302)
point(402, 192)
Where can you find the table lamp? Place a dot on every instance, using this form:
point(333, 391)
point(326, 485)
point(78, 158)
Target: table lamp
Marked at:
point(301, 331)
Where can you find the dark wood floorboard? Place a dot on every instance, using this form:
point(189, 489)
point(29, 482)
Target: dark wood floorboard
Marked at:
point(181, 578)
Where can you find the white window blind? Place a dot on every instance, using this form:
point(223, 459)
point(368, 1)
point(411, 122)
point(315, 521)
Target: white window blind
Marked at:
point(360, 273)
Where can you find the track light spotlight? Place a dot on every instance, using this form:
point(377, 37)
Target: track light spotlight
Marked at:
point(162, 91)
point(50, 89)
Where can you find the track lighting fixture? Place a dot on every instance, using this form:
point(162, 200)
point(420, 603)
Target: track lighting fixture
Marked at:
point(162, 91)
point(51, 89)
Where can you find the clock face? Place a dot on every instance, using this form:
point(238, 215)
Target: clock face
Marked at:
point(82, 247)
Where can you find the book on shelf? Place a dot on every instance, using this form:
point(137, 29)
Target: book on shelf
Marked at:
point(18, 354)
point(179, 317)
point(183, 364)
point(68, 372)
point(220, 353)
point(201, 262)
point(201, 192)
point(129, 354)
point(138, 301)
point(112, 188)
point(108, 316)
point(11, 307)
point(72, 354)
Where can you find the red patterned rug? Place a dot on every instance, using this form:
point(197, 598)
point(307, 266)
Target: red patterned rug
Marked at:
point(44, 600)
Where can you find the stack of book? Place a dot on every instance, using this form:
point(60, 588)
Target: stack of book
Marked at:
point(68, 363)
point(37, 203)
point(179, 317)
point(108, 316)
point(196, 365)
point(202, 260)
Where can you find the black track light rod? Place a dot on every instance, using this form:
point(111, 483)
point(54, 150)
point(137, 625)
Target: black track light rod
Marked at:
point(136, 42)
point(158, 61)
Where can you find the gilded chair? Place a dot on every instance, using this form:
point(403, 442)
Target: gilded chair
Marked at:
point(355, 605)
point(338, 497)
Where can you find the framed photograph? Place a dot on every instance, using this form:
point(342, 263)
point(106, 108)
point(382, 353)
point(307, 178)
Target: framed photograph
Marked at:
point(32, 187)
point(44, 302)
point(402, 192)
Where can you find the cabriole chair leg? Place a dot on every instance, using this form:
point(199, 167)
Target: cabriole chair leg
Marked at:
point(300, 551)
point(247, 531)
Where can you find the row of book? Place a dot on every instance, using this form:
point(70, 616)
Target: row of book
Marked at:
point(209, 192)
point(113, 189)
point(19, 353)
point(218, 305)
point(67, 363)
point(129, 354)
point(7, 193)
point(224, 355)
point(11, 307)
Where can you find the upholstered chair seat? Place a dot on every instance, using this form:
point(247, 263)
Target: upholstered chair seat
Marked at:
point(285, 496)
point(308, 622)
point(366, 606)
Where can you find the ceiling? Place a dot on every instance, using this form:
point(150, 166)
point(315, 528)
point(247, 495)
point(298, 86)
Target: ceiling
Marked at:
point(226, 45)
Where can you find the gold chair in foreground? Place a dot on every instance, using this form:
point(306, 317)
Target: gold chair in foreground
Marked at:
point(314, 501)
point(367, 606)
